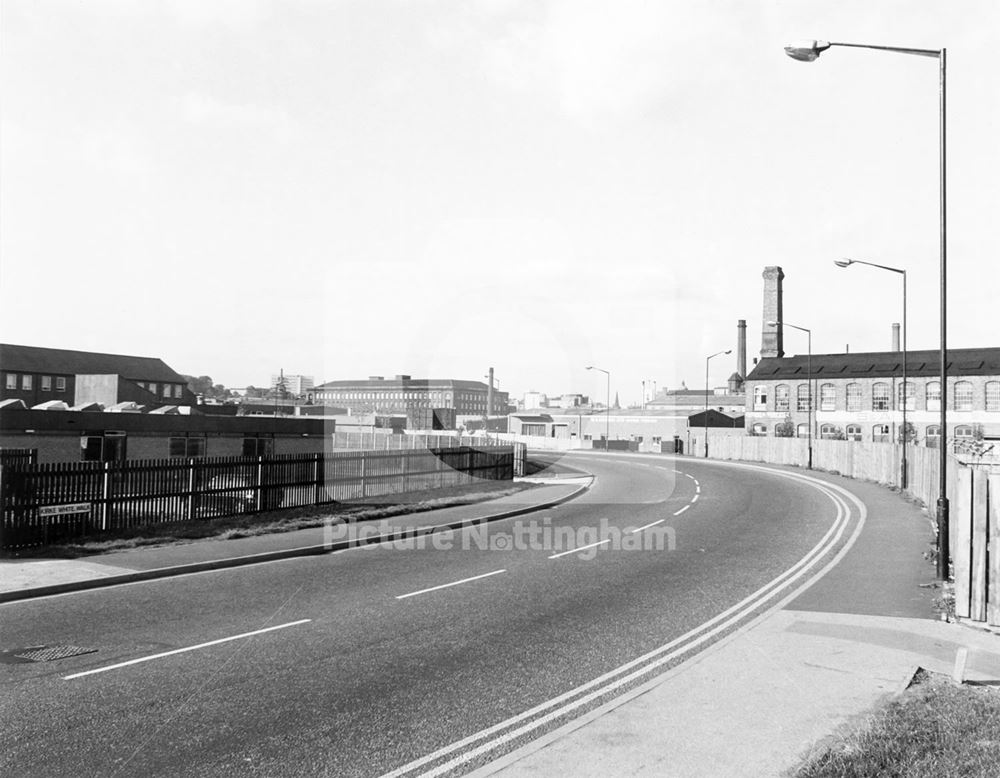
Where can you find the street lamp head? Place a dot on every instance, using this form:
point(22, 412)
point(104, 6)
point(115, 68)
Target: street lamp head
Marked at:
point(773, 323)
point(806, 51)
point(730, 351)
point(590, 367)
point(843, 262)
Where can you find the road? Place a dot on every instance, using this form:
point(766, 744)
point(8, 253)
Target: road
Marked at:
point(375, 658)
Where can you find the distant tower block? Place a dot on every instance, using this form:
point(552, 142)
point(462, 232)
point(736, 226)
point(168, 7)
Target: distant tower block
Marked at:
point(772, 344)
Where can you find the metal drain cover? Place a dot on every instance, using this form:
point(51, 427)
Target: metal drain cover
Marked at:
point(51, 653)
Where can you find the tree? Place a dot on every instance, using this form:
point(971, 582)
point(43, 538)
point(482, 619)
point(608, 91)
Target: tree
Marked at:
point(785, 429)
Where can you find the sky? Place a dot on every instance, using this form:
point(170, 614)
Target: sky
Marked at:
point(374, 187)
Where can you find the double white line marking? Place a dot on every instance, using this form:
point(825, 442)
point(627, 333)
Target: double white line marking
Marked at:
point(463, 751)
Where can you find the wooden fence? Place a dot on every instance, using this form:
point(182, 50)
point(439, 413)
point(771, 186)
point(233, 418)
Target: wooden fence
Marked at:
point(972, 488)
point(46, 503)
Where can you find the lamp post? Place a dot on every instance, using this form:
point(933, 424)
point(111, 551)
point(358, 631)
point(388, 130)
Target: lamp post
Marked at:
point(809, 383)
point(607, 422)
point(903, 478)
point(809, 51)
point(717, 353)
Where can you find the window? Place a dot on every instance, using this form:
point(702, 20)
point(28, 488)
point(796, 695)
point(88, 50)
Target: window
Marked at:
point(46, 383)
point(907, 396)
point(11, 381)
point(60, 384)
point(933, 435)
point(760, 398)
point(166, 390)
point(933, 396)
point(26, 383)
point(258, 447)
point(827, 398)
point(802, 431)
point(802, 400)
point(188, 447)
point(152, 388)
point(993, 395)
point(781, 397)
point(854, 430)
point(760, 429)
point(964, 431)
point(880, 397)
point(963, 396)
point(854, 400)
point(880, 433)
point(829, 431)
point(178, 391)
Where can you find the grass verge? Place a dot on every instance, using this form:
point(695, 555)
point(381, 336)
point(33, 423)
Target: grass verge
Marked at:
point(285, 520)
point(936, 728)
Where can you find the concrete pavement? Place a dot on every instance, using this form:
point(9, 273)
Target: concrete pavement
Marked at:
point(759, 702)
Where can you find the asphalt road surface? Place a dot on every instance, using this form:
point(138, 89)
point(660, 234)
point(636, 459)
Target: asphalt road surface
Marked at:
point(409, 660)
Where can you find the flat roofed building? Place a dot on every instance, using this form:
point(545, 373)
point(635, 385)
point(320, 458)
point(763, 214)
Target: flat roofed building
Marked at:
point(404, 394)
point(37, 375)
point(860, 396)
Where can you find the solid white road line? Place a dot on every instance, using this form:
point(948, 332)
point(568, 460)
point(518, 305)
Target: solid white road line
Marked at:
point(581, 548)
point(183, 650)
point(453, 583)
point(678, 513)
point(652, 524)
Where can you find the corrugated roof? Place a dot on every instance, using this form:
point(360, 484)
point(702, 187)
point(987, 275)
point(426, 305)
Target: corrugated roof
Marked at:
point(879, 364)
point(57, 361)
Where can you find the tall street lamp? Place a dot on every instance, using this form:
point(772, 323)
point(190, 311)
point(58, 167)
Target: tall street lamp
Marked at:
point(809, 51)
point(809, 383)
point(903, 478)
point(607, 422)
point(717, 353)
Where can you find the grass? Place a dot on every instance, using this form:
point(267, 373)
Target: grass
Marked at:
point(935, 729)
point(285, 520)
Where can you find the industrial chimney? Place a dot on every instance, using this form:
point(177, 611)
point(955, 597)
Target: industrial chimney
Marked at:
point(895, 336)
point(489, 396)
point(772, 342)
point(741, 348)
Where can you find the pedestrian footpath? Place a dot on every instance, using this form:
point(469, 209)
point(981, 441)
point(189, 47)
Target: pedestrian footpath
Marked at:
point(760, 701)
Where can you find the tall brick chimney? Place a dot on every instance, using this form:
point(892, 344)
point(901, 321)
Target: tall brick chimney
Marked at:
point(772, 342)
point(489, 396)
point(895, 336)
point(741, 347)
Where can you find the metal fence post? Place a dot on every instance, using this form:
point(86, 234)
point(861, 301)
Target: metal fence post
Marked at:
point(105, 496)
point(319, 478)
point(364, 460)
point(190, 500)
point(260, 482)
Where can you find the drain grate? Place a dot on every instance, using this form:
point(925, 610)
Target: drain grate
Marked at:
point(51, 653)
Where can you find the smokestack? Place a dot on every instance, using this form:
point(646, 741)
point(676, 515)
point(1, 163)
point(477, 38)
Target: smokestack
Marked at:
point(489, 396)
point(741, 348)
point(895, 336)
point(772, 342)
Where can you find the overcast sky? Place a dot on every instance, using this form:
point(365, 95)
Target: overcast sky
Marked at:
point(342, 189)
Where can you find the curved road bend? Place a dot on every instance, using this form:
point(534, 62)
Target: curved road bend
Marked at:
point(374, 664)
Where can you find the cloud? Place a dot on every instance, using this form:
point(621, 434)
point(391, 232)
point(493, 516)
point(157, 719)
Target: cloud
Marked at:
point(201, 109)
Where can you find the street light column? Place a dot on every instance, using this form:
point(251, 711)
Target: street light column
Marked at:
point(706, 394)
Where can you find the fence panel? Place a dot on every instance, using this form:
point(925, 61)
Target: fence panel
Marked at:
point(44, 504)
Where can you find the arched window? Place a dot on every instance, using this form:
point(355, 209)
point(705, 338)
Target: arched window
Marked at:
point(932, 436)
point(963, 395)
point(829, 431)
point(993, 395)
point(760, 398)
point(781, 397)
point(880, 396)
point(964, 431)
point(802, 399)
point(802, 431)
point(854, 398)
point(759, 429)
point(880, 433)
point(827, 398)
point(854, 431)
point(907, 396)
point(933, 396)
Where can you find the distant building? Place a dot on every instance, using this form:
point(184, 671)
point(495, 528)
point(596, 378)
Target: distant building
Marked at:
point(36, 375)
point(404, 394)
point(295, 385)
point(535, 400)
